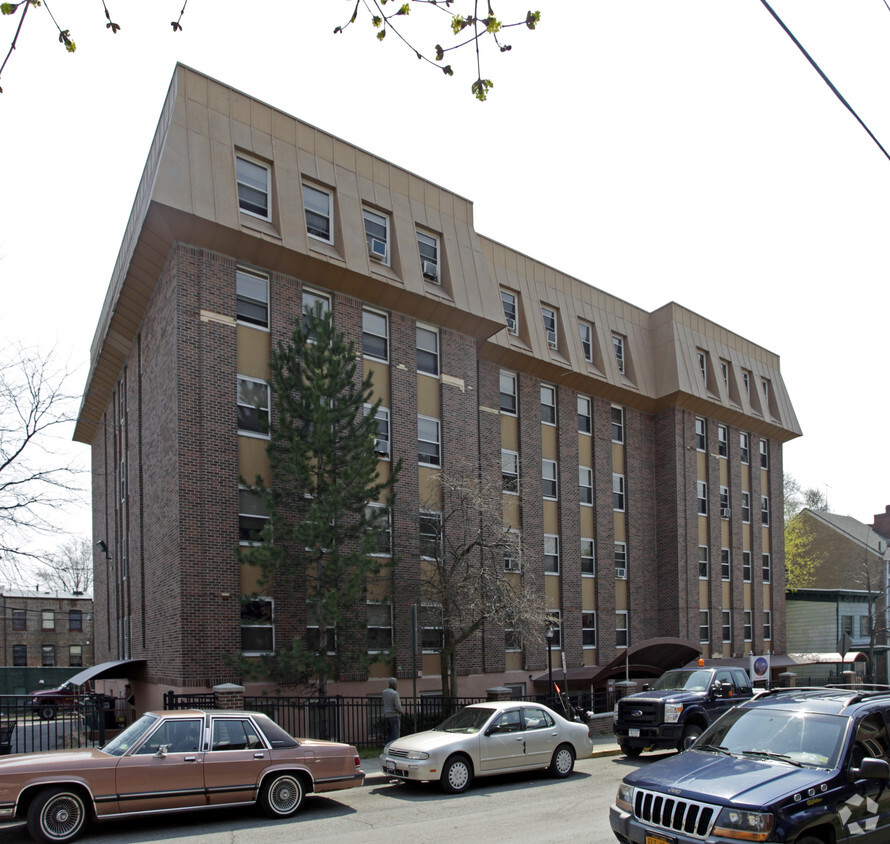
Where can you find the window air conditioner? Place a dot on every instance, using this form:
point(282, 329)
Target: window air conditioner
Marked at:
point(551, 339)
point(725, 512)
point(377, 249)
point(511, 325)
point(382, 447)
point(430, 271)
point(511, 565)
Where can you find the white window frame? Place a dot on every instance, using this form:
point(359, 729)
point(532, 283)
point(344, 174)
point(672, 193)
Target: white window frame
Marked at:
point(512, 555)
point(746, 381)
point(726, 564)
point(725, 512)
point(430, 266)
point(510, 379)
point(747, 570)
point(747, 625)
point(555, 624)
point(704, 562)
point(746, 508)
point(389, 627)
point(243, 512)
point(704, 626)
point(551, 554)
point(722, 441)
point(703, 366)
point(329, 216)
point(588, 557)
point(381, 442)
point(764, 453)
point(619, 493)
point(765, 568)
point(701, 488)
point(701, 434)
point(585, 486)
point(588, 629)
point(549, 405)
point(509, 302)
point(254, 280)
point(724, 371)
point(247, 432)
point(585, 328)
point(434, 355)
point(617, 427)
point(374, 505)
point(427, 614)
point(767, 625)
point(622, 629)
point(585, 415)
point(744, 448)
point(377, 218)
point(726, 625)
point(311, 297)
point(426, 460)
point(550, 475)
point(620, 552)
point(266, 192)
point(618, 347)
point(434, 517)
point(509, 471)
point(367, 331)
point(265, 626)
point(764, 510)
point(551, 326)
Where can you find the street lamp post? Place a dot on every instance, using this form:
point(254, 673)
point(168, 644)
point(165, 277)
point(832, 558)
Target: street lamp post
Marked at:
point(548, 633)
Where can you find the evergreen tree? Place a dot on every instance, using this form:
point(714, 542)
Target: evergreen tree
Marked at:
point(318, 544)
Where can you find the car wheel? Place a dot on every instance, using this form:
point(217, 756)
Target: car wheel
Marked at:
point(47, 711)
point(56, 814)
point(456, 775)
point(563, 761)
point(281, 796)
point(690, 734)
point(629, 751)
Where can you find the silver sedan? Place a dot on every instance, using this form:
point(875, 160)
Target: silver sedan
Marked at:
point(489, 738)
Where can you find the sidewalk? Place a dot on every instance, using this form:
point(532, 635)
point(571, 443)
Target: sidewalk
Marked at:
point(603, 745)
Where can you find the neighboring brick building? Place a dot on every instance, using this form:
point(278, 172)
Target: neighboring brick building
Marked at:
point(672, 425)
point(47, 629)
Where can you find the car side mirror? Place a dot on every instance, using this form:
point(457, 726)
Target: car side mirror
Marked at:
point(646, 687)
point(162, 752)
point(871, 769)
point(494, 728)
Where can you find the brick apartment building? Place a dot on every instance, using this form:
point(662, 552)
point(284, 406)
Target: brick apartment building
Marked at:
point(672, 425)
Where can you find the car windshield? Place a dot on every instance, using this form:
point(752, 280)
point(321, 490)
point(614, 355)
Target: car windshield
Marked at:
point(466, 721)
point(121, 743)
point(804, 738)
point(691, 681)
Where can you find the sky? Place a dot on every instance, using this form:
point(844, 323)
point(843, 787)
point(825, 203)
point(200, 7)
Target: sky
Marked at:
point(660, 150)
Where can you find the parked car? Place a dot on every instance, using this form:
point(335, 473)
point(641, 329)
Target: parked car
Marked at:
point(800, 766)
point(47, 702)
point(170, 762)
point(485, 739)
point(681, 705)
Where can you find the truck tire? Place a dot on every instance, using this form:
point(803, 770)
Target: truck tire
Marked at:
point(47, 711)
point(690, 733)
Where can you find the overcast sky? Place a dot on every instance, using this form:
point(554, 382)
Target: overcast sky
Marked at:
point(661, 150)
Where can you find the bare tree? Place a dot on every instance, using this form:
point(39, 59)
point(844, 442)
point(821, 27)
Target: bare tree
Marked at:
point(36, 479)
point(464, 586)
point(70, 568)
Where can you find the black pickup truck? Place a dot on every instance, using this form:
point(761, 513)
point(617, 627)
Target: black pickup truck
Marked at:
point(678, 708)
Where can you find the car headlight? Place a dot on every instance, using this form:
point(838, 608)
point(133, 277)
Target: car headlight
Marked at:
point(672, 712)
point(417, 754)
point(625, 797)
point(743, 824)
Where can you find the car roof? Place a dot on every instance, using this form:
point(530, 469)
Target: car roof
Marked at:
point(201, 713)
point(826, 700)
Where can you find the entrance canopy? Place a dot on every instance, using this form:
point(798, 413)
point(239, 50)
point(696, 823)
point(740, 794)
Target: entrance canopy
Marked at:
point(119, 669)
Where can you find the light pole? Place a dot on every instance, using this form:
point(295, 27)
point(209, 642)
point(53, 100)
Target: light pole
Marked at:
point(548, 634)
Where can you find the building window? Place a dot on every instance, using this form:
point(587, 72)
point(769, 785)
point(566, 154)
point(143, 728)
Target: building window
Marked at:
point(618, 501)
point(428, 246)
point(704, 626)
point(313, 641)
point(702, 492)
point(548, 404)
point(377, 235)
point(722, 441)
point(549, 317)
point(703, 366)
point(764, 454)
point(765, 567)
point(430, 530)
point(555, 624)
point(318, 204)
point(375, 335)
point(47, 655)
point(252, 298)
point(508, 392)
point(48, 620)
point(508, 300)
point(725, 564)
point(428, 448)
point(747, 626)
point(253, 187)
point(764, 510)
point(743, 448)
point(621, 629)
point(588, 629)
point(252, 517)
point(617, 424)
point(618, 346)
point(585, 484)
point(551, 553)
point(432, 629)
point(746, 508)
point(19, 620)
point(513, 552)
point(701, 435)
point(746, 382)
point(253, 406)
point(75, 620)
point(510, 470)
point(621, 560)
point(550, 480)
point(380, 525)
point(585, 424)
point(19, 655)
point(726, 625)
point(75, 656)
point(588, 558)
point(379, 627)
point(724, 372)
point(847, 625)
point(724, 502)
point(765, 384)
point(746, 566)
point(768, 626)
point(512, 643)
point(381, 439)
point(427, 351)
point(257, 626)
point(586, 332)
point(703, 562)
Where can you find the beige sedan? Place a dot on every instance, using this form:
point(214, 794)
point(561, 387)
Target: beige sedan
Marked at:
point(489, 738)
point(172, 762)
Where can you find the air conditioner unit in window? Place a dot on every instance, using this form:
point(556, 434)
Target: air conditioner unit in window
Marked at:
point(551, 339)
point(511, 325)
point(430, 271)
point(377, 249)
point(511, 565)
point(725, 512)
point(382, 447)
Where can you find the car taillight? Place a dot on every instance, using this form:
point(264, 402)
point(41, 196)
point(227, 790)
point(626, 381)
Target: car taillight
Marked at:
point(358, 761)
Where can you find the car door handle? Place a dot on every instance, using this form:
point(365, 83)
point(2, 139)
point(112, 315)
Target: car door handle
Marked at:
point(189, 758)
point(259, 755)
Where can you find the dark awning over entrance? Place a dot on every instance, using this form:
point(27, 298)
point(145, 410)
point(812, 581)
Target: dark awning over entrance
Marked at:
point(119, 669)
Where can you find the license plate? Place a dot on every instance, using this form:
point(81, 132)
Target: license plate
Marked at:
point(659, 839)
point(634, 732)
point(390, 767)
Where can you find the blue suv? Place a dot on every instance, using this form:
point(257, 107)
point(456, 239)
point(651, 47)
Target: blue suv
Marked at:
point(799, 766)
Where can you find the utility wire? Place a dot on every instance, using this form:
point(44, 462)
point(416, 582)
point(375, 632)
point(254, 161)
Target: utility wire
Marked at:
point(828, 82)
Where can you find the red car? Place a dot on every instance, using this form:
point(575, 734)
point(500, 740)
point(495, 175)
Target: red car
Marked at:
point(47, 702)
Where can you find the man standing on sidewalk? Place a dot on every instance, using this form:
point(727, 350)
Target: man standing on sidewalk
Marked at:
point(392, 711)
